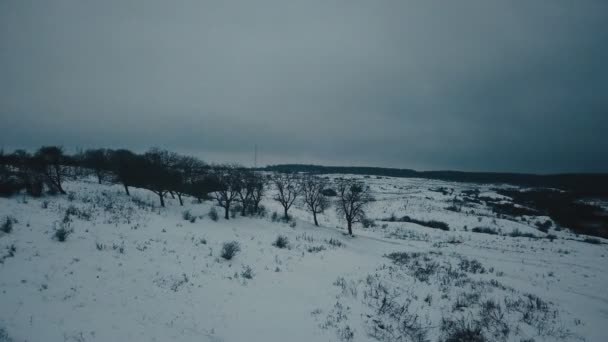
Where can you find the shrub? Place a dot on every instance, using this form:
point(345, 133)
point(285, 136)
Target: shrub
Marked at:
point(517, 233)
point(335, 242)
point(235, 210)
point(316, 249)
point(431, 224)
point(281, 242)
point(247, 272)
point(593, 241)
point(187, 216)
point(544, 226)
point(462, 331)
point(62, 233)
point(485, 230)
point(4, 337)
point(274, 217)
point(368, 223)
point(213, 215)
point(329, 192)
point(230, 249)
point(7, 226)
point(471, 266)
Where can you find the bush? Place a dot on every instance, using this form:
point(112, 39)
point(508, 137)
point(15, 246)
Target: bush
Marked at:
point(4, 337)
point(368, 223)
point(281, 242)
point(551, 237)
point(462, 331)
point(247, 272)
point(230, 249)
point(335, 242)
point(329, 192)
point(275, 216)
point(517, 233)
point(430, 224)
point(593, 241)
point(544, 226)
point(213, 215)
point(7, 226)
point(485, 230)
point(316, 249)
point(187, 216)
point(62, 233)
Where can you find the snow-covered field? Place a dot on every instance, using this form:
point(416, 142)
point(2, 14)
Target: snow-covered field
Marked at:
point(132, 271)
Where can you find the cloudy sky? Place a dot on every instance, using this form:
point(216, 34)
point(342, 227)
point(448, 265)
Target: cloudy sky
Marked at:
point(468, 85)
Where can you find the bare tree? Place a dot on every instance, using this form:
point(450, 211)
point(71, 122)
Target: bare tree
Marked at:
point(315, 201)
point(245, 189)
point(258, 191)
point(51, 162)
point(160, 175)
point(126, 167)
point(191, 170)
point(229, 185)
point(288, 189)
point(353, 196)
point(96, 160)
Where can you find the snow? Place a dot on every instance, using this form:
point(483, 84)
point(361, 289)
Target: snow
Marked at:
point(132, 271)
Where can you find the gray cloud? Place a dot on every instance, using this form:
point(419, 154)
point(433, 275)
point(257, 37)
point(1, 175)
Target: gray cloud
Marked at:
point(469, 85)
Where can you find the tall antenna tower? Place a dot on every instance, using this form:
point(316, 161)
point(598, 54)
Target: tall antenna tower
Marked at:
point(255, 156)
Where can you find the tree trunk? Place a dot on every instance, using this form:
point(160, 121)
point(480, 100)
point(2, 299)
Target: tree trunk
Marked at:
point(243, 210)
point(99, 177)
point(162, 199)
point(314, 215)
point(227, 212)
point(285, 216)
point(350, 228)
point(127, 189)
point(172, 195)
point(179, 196)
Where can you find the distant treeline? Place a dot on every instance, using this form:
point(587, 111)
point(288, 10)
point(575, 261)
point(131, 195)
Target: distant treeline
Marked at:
point(160, 171)
point(582, 184)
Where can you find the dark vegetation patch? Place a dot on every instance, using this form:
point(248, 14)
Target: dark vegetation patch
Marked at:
point(431, 224)
point(565, 208)
point(230, 249)
point(281, 242)
point(485, 230)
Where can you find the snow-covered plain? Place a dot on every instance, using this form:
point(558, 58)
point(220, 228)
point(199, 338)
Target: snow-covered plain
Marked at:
point(132, 271)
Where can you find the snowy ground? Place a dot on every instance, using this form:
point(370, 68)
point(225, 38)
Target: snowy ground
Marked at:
point(131, 271)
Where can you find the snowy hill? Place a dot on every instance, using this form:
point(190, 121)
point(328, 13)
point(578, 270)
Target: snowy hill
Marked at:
point(131, 271)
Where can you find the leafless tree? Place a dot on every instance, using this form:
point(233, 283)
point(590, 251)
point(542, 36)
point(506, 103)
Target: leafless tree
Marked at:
point(258, 191)
point(97, 160)
point(191, 170)
point(229, 186)
point(245, 189)
point(160, 175)
point(312, 190)
point(52, 163)
point(353, 197)
point(288, 189)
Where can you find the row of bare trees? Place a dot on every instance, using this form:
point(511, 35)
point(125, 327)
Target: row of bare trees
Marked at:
point(352, 196)
point(170, 174)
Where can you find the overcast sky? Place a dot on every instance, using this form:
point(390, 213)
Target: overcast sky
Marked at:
point(466, 85)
